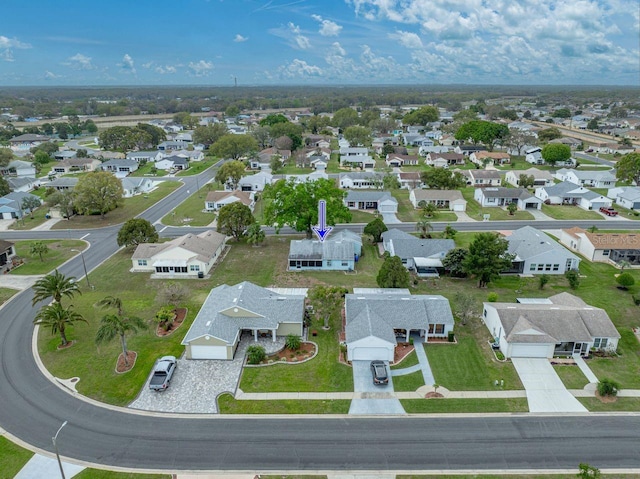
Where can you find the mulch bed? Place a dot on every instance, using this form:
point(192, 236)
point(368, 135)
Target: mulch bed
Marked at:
point(131, 357)
point(305, 351)
point(606, 399)
point(60, 347)
point(181, 314)
point(432, 394)
point(401, 351)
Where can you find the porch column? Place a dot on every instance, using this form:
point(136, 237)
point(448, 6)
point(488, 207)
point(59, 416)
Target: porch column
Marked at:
point(408, 334)
point(255, 335)
point(273, 335)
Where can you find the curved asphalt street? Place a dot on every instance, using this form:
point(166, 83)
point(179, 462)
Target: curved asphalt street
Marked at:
point(33, 408)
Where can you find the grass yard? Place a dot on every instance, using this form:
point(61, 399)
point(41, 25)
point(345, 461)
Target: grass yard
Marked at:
point(197, 167)
point(571, 376)
point(12, 458)
point(293, 170)
point(410, 360)
point(406, 211)
point(130, 208)
point(422, 406)
point(228, 405)
point(475, 211)
point(102, 474)
point(190, 212)
point(358, 216)
point(59, 252)
point(568, 212)
point(149, 169)
point(27, 222)
point(621, 404)
point(408, 382)
point(6, 294)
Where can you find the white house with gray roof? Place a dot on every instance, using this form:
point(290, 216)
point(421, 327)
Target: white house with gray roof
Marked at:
point(424, 256)
point(371, 200)
point(229, 311)
point(361, 180)
point(502, 197)
point(145, 156)
point(626, 196)
point(562, 325)
point(537, 253)
point(568, 193)
point(593, 179)
point(136, 185)
point(374, 322)
point(338, 252)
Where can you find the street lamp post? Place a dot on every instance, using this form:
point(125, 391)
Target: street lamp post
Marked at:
point(55, 446)
point(84, 266)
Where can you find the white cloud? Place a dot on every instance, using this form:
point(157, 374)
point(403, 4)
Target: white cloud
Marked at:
point(299, 69)
point(166, 69)
point(239, 38)
point(327, 27)
point(51, 76)
point(127, 64)
point(301, 40)
point(8, 44)
point(293, 36)
point(80, 62)
point(407, 39)
point(200, 68)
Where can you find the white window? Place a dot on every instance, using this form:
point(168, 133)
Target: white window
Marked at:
point(532, 267)
point(606, 252)
point(194, 267)
point(600, 343)
point(556, 267)
point(142, 262)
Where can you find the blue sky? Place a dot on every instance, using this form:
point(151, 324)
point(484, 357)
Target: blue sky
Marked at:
point(275, 42)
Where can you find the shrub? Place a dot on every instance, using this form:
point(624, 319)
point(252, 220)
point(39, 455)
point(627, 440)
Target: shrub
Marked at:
point(451, 336)
point(543, 279)
point(292, 342)
point(625, 280)
point(492, 297)
point(573, 277)
point(165, 317)
point(608, 387)
point(499, 355)
point(255, 354)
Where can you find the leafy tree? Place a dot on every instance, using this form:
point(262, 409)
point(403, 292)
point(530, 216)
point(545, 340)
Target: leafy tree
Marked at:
point(628, 168)
point(573, 277)
point(625, 280)
point(230, 173)
point(464, 306)
point(255, 234)
point(5, 189)
point(487, 257)
point(234, 219)
point(512, 208)
point(273, 119)
point(453, 262)
point(55, 285)
point(375, 229)
point(115, 326)
point(518, 139)
point(262, 134)
point(316, 123)
point(555, 152)
point(421, 116)
point(449, 232)
point(592, 124)
point(526, 181)
point(165, 317)
point(82, 153)
point(618, 112)
point(232, 111)
point(392, 273)
point(358, 135)
point(255, 354)
point(209, 134)
point(443, 179)
point(185, 119)
point(56, 317)
point(296, 204)
point(234, 146)
point(290, 130)
point(292, 342)
point(98, 192)
point(283, 143)
point(345, 117)
point(549, 134)
point(326, 301)
point(155, 133)
point(48, 147)
point(39, 248)
point(136, 231)
point(562, 113)
point(90, 127)
point(41, 157)
point(481, 131)
point(390, 182)
point(30, 203)
point(424, 227)
point(275, 163)
point(64, 200)
point(388, 149)
point(429, 209)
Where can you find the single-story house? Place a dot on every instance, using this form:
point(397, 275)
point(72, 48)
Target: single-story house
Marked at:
point(183, 257)
point(537, 253)
point(361, 180)
point(358, 161)
point(594, 179)
point(120, 168)
point(503, 196)
point(424, 256)
point(64, 183)
point(339, 251)
point(603, 247)
point(190, 155)
point(425, 150)
point(313, 176)
point(444, 160)
point(371, 200)
point(27, 141)
point(7, 253)
point(567, 193)
point(11, 205)
point(23, 184)
point(217, 199)
point(64, 154)
point(133, 186)
point(173, 162)
point(145, 156)
point(396, 160)
point(562, 325)
point(626, 196)
point(448, 199)
point(410, 180)
point(255, 182)
point(173, 146)
point(467, 150)
point(71, 165)
point(375, 322)
point(19, 169)
point(484, 158)
point(540, 177)
point(318, 162)
point(534, 156)
point(229, 311)
point(483, 178)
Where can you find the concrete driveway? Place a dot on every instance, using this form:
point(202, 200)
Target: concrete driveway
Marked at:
point(545, 390)
point(372, 399)
point(390, 218)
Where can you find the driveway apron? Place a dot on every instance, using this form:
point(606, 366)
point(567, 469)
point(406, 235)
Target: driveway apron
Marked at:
point(373, 399)
point(545, 391)
point(390, 218)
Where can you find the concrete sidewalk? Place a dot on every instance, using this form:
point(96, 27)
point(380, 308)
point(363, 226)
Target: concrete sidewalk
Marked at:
point(41, 467)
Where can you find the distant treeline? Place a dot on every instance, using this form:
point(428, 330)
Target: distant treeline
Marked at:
point(53, 102)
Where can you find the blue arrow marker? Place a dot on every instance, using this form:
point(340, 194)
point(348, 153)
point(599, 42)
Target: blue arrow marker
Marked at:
point(322, 230)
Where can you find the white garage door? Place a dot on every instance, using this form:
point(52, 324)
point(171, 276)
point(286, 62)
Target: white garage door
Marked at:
point(458, 207)
point(387, 208)
point(529, 350)
point(208, 352)
point(369, 354)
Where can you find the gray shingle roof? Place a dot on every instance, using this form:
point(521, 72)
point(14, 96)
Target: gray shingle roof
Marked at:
point(562, 188)
point(421, 248)
point(203, 246)
point(528, 242)
point(395, 233)
point(318, 250)
point(369, 195)
point(251, 306)
point(501, 192)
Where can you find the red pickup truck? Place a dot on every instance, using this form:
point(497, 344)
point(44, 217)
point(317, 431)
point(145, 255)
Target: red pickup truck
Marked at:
point(608, 211)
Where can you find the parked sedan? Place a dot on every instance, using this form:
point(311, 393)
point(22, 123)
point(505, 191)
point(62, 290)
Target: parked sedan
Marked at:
point(379, 373)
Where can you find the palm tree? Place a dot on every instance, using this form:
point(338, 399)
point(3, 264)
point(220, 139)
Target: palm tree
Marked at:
point(55, 285)
point(57, 318)
point(113, 325)
point(424, 227)
point(39, 248)
point(111, 302)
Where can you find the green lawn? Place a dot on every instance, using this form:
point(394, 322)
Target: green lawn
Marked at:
point(293, 170)
point(12, 458)
point(621, 404)
point(464, 405)
point(571, 376)
point(410, 360)
point(406, 211)
point(408, 382)
point(6, 294)
point(149, 169)
point(102, 474)
point(568, 212)
point(358, 216)
point(59, 252)
point(130, 208)
point(190, 212)
point(475, 211)
point(197, 167)
point(228, 405)
point(27, 222)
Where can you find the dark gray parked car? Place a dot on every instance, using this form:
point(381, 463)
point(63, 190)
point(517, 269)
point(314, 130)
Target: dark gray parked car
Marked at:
point(379, 373)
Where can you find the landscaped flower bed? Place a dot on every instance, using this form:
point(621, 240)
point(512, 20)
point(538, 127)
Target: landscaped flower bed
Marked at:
point(305, 351)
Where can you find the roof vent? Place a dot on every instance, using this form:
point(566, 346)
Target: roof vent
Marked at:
point(235, 310)
point(208, 323)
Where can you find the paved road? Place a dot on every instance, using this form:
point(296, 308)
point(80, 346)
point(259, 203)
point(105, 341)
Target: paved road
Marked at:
point(595, 159)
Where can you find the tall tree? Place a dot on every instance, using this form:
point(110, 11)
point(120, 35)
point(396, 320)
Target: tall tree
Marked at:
point(375, 229)
point(453, 262)
point(421, 116)
point(98, 192)
point(518, 139)
point(64, 200)
point(115, 326)
point(5, 189)
point(56, 317)
point(290, 130)
point(345, 117)
point(273, 119)
point(136, 231)
point(424, 228)
point(487, 257)
point(555, 152)
point(262, 135)
point(296, 204)
point(484, 132)
point(230, 173)
point(628, 168)
point(234, 219)
point(443, 179)
point(55, 285)
point(549, 134)
point(234, 146)
point(358, 135)
point(392, 273)
point(39, 248)
point(111, 302)
point(255, 235)
point(209, 134)
point(30, 203)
